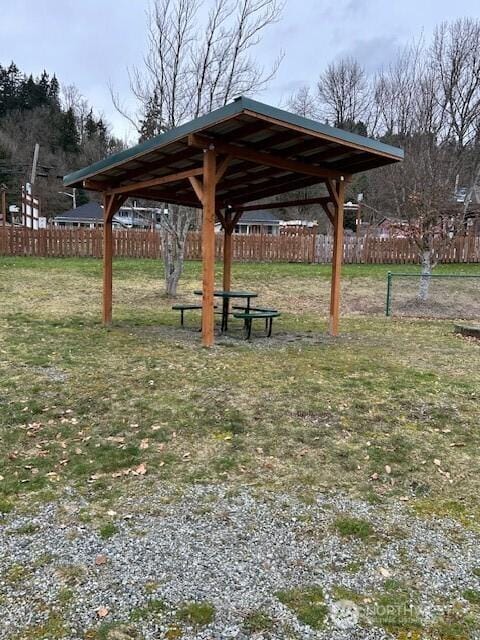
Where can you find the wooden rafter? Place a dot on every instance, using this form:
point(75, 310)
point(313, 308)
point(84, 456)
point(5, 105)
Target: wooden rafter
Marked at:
point(260, 157)
point(323, 135)
point(156, 182)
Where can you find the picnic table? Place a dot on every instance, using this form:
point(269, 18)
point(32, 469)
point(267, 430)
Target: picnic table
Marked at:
point(226, 296)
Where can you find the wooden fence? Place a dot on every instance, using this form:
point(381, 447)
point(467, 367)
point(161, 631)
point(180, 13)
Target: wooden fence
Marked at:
point(304, 247)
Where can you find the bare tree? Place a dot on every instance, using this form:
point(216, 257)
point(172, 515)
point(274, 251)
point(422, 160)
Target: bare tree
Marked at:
point(429, 103)
point(304, 103)
point(343, 90)
point(194, 64)
point(455, 57)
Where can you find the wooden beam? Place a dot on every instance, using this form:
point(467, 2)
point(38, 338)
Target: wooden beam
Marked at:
point(111, 204)
point(222, 218)
point(156, 182)
point(331, 187)
point(328, 213)
point(260, 157)
point(96, 185)
point(222, 168)
point(284, 204)
point(167, 198)
point(208, 247)
point(337, 259)
point(276, 186)
point(197, 187)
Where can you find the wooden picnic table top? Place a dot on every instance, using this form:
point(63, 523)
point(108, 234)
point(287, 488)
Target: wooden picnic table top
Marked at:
point(229, 294)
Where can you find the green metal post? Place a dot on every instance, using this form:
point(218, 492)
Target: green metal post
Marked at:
point(388, 308)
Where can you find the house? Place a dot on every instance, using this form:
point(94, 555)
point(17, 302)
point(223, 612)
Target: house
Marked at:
point(258, 222)
point(390, 228)
point(305, 224)
point(90, 216)
point(473, 210)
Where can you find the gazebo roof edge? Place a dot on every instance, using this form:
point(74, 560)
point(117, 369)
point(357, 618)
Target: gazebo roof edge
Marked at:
point(238, 106)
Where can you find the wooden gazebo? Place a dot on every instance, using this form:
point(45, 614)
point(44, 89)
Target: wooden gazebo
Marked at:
point(241, 153)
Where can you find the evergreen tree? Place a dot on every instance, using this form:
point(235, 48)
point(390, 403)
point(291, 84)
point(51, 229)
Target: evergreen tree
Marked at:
point(30, 113)
point(69, 138)
point(10, 85)
point(54, 93)
point(150, 125)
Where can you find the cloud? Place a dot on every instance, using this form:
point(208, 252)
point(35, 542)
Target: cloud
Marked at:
point(372, 53)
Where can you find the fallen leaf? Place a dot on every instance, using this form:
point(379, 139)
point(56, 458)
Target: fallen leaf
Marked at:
point(101, 559)
point(374, 476)
point(102, 612)
point(141, 470)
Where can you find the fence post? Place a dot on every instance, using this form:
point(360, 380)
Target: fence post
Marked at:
point(388, 307)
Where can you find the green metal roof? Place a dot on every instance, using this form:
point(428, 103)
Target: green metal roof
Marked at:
point(237, 107)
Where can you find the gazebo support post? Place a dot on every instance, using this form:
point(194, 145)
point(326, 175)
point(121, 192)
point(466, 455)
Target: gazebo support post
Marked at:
point(227, 251)
point(339, 198)
point(208, 246)
point(111, 204)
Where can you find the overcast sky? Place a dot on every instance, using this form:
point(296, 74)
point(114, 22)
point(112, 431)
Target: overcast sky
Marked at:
point(92, 42)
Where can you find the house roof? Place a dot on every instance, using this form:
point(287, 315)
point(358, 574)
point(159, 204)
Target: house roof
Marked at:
point(252, 127)
point(90, 212)
point(264, 217)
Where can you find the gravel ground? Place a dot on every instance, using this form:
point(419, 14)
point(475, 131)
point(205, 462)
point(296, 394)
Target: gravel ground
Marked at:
point(234, 550)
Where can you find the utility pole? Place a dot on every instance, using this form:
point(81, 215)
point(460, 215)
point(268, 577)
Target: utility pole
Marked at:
point(72, 195)
point(359, 213)
point(3, 190)
point(34, 163)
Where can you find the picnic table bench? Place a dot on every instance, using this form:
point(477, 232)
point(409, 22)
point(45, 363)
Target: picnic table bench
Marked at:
point(248, 316)
point(244, 312)
point(186, 306)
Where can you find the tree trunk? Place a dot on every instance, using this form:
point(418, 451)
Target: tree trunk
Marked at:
point(425, 277)
point(174, 236)
point(172, 261)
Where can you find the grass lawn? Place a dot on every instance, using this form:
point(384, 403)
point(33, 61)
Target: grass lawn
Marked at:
point(97, 423)
point(389, 410)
